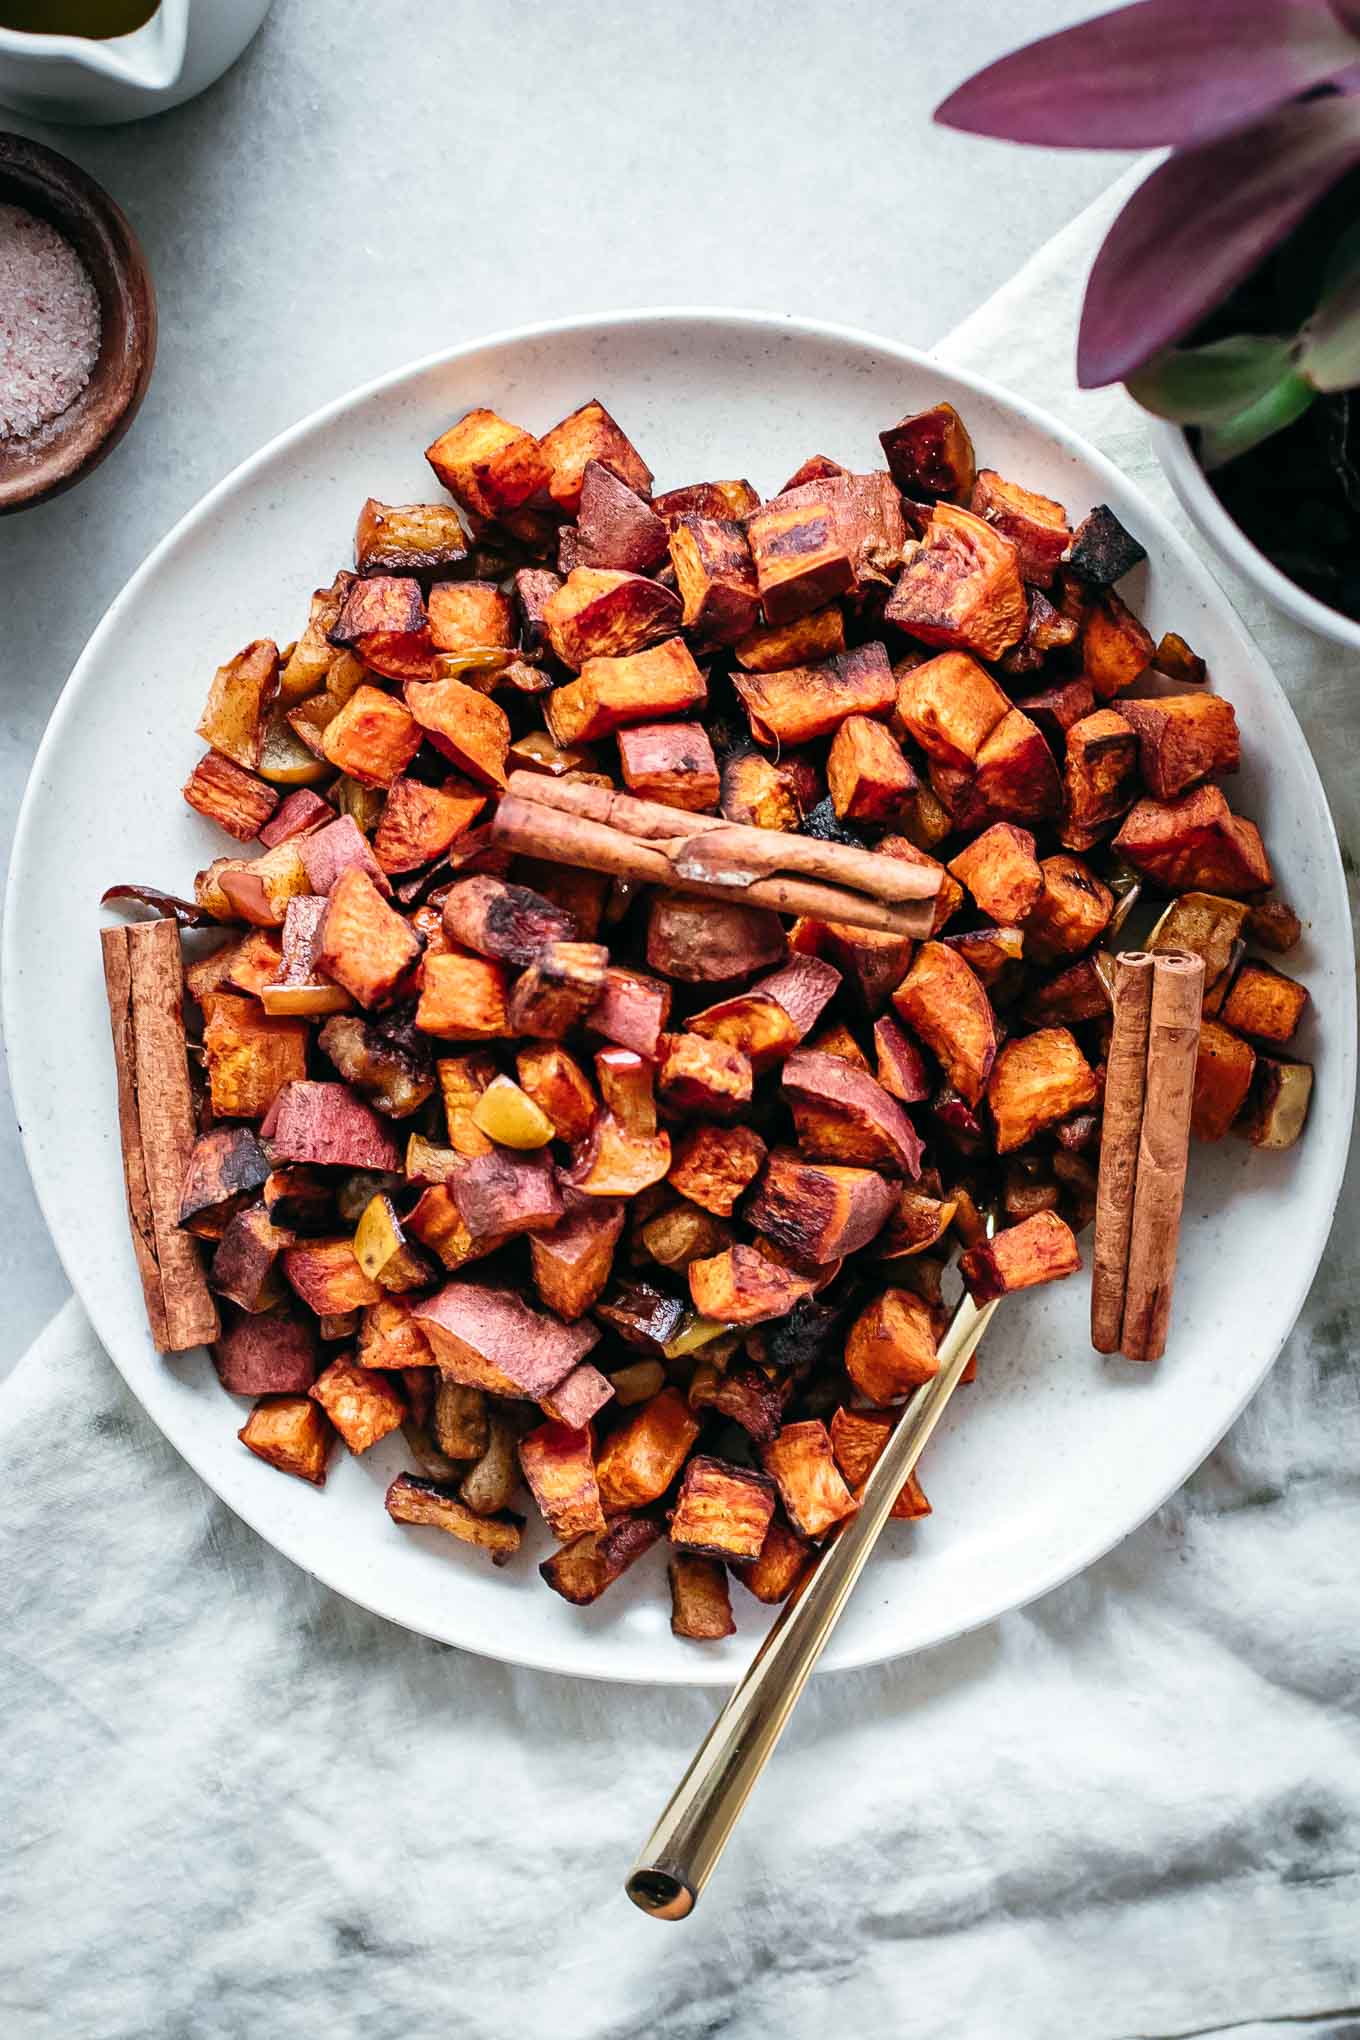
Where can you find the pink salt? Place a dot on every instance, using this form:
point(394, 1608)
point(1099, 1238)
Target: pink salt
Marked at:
point(49, 324)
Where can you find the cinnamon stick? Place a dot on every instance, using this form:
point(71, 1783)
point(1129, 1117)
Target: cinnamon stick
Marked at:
point(144, 978)
point(1125, 1084)
point(1163, 1150)
point(543, 830)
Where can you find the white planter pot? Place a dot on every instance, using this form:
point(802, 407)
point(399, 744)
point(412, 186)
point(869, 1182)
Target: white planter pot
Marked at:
point(1202, 506)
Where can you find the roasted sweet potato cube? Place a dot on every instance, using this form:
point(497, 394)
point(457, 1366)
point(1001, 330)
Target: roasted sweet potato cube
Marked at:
point(1040, 1249)
point(716, 576)
point(1183, 738)
point(503, 1193)
point(230, 796)
point(742, 1286)
point(419, 822)
point(672, 763)
point(929, 453)
point(722, 1510)
point(1102, 551)
point(1275, 925)
point(558, 1086)
point(820, 1211)
point(435, 1220)
point(338, 847)
point(867, 774)
point(1265, 1004)
point(602, 612)
point(805, 702)
point(327, 1125)
point(299, 1200)
point(586, 435)
point(632, 1009)
point(327, 1276)
point(470, 730)
point(571, 1263)
point(713, 1165)
point(1070, 913)
point(699, 1075)
point(707, 941)
point(760, 792)
point(239, 701)
point(226, 1167)
point(614, 692)
point(918, 1222)
point(511, 922)
point(470, 616)
point(992, 954)
point(435, 1505)
point(364, 944)
point(805, 641)
point(490, 1337)
point(639, 1461)
point(1223, 1074)
point(1115, 648)
point(753, 1022)
point(803, 1467)
point(290, 1432)
point(960, 587)
point(274, 1353)
point(1036, 526)
point(558, 989)
point(244, 1265)
point(942, 1001)
point(748, 1395)
point(773, 1574)
point(1002, 873)
point(701, 1601)
point(1195, 842)
point(1037, 1080)
point(250, 1056)
point(901, 1066)
point(580, 1572)
point(1055, 709)
point(733, 499)
point(462, 1081)
point(627, 1084)
point(372, 738)
point(1276, 1103)
point(578, 1397)
point(613, 1162)
point(364, 1406)
point(891, 1347)
point(616, 527)
point(857, 1439)
point(560, 1473)
point(950, 705)
point(1098, 777)
point(490, 465)
point(462, 998)
point(801, 553)
point(1075, 994)
point(296, 815)
point(390, 1337)
point(644, 1317)
point(1017, 774)
point(843, 1115)
point(377, 611)
point(408, 538)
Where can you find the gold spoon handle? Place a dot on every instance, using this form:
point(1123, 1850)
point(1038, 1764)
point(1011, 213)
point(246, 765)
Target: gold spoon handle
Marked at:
point(684, 1846)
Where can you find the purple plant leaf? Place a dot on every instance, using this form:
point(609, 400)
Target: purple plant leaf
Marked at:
point(1158, 72)
point(1200, 223)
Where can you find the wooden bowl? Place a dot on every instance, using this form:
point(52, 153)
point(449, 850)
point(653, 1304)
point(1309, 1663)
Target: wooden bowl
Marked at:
point(60, 453)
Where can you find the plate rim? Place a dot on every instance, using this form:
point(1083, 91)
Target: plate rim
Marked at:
point(756, 322)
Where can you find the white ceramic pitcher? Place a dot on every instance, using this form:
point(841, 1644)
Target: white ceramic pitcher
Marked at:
point(185, 46)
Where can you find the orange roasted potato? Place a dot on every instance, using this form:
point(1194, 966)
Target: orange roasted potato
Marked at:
point(631, 687)
point(942, 1001)
point(1040, 1249)
point(1036, 526)
point(803, 1467)
point(1195, 843)
point(805, 702)
point(1036, 1080)
point(960, 586)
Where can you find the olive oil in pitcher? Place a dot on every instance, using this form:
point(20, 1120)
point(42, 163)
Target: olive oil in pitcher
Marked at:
point(99, 20)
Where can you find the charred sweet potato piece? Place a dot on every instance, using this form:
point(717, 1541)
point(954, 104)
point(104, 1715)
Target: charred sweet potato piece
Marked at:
point(1055, 709)
point(640, 1460)
point(644, 1317)
point(601, 612)
point(571, 1263)
point(918, 1222)
point(748, 1395)
point(613, 692)
point(299, 1200)
point(408, 538)
point(745, 1287)
point(502, 1193)
point(1115, 648)
point(363, 1406)
point(372, 738)
point(581, 1571)
point(1102, 551)
point(929, 453)
point(1037, 1080)
point(227, 794)
point(272, 1354)
point(842, 1115)
point(672, 763)
point(818, 1210)
point(701, 1601)
point(226, 1167)
point(713, 1165)
point(462, 998)
point(950, 705)
point(867, 774)
point(1223, 1074)
point(1098, 777)
point(760, 792)
point(1047, 630)
point(434, 1505)
point(1017, 774)
point(470, 730)
point(804, 702)
point(1075, 994)
point(1275, 925)
point(1001, 871)
point(753, 1022)
point(942, 1001)
point(612, 1162)
point(699, 1075)
point(801, 553)
point(716, 576)
point(586, 435)
point(1070, 913)
point(901, 1066)
point(1183, 738)
point(1036, 526)
point(490, 465)
point(891, 1347)
point(722, 1510)
point(326, 1124)
point(364, 944)
point(239, 701)
point(491, 1338)
point(960, 587)
point(244, 1265)
point(732, 500)
point(1264, 1003)
point(1041, 1249)
point(558, 989)
point(560, 1473)
point(806, 641)
point(632, 1009)
point(803, 1467)
point(992, 954)
point(327, 1276)
point(558, 1086)
point(393, 1077)
point(250, 1056)
point(383, 618)
point(707, 941)
point(291, 1433)
point(1196, 843)
point(510, 922)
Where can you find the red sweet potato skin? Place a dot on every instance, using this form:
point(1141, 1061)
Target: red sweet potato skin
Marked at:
point(472, 1324)
point(275, 1353)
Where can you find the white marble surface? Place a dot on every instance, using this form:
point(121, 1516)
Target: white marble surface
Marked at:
point(361, 190)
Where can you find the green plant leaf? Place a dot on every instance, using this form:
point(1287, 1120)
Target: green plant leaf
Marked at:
point(1329, 344)
point(1208, 385)
point(1226, 438)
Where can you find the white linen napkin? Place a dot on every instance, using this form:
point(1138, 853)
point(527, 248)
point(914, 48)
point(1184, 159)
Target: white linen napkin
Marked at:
point(237, 1805)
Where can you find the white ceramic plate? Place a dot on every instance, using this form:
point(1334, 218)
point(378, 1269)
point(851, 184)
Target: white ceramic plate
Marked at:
point(1055, 1454)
